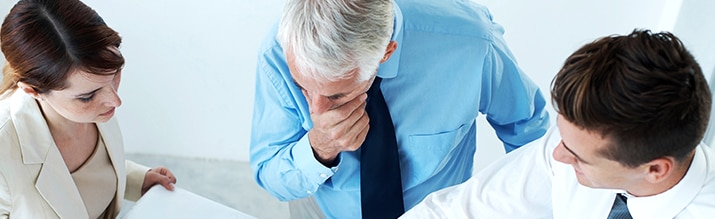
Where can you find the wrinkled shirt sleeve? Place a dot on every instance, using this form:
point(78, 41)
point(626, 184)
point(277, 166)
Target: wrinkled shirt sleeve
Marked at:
point(281, 156)
point(513, 103)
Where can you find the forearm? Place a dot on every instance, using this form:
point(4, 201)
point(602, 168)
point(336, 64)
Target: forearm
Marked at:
point(135, 179)
point(288, 171)
point(514, 105)
point(281, 157)
point(529, 126)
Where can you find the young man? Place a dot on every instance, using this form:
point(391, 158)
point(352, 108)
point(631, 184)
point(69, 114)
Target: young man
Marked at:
point(632, 113)
point(437, 64)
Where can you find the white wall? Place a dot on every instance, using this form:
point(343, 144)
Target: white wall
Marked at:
point(542, 34)
point(188, 82)
point(696, 26)
point(189, 79)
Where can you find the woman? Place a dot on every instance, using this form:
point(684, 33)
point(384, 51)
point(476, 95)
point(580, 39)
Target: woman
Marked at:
point(61, 151)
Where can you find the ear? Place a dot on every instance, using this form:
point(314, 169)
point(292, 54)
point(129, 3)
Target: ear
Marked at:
point(659, 169)
point(28, 89)
point(391, 47)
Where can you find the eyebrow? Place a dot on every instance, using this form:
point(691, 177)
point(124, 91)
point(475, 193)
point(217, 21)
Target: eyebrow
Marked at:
point(574, 154)
point(331, 97)
point(88, 93)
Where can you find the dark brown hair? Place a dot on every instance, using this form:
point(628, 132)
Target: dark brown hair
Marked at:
point(45, 40)
point(643, 91)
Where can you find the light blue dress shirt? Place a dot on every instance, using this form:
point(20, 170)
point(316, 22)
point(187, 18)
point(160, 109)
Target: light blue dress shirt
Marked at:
point(450, 65)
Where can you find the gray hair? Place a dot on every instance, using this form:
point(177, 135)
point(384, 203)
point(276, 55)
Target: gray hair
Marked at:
point(330, 38)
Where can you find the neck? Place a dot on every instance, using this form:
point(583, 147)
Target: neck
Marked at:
point(678, 173)
point(60, 127)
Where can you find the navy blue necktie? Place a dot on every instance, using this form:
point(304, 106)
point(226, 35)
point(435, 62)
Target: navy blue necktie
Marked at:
point(380, 182)
point(619, 209)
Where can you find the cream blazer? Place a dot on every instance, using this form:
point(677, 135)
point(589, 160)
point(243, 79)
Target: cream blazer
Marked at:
point(34, 180)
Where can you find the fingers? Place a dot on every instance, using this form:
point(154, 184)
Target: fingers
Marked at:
point(166, 182)
point(340, 120)
point(167, 178)
point(166, 172)
point(342, 128)
point(360, 131)
point(159, 175)
point(354, 128)
point(349, 108)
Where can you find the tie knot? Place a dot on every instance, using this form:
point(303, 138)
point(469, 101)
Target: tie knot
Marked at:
point(623, 197)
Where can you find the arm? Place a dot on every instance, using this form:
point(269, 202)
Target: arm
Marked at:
point(512, 102)
point(516, 186)
point(5, 198)
point(142, 178)
point(135, 179)
point(281, 155)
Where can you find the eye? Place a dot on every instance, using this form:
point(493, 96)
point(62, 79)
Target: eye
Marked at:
point(86, 99)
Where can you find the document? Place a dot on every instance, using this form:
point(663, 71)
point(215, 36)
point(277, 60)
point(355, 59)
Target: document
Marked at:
point(161, 203)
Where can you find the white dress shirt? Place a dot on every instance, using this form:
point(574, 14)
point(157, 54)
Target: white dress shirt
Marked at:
point(529, 183)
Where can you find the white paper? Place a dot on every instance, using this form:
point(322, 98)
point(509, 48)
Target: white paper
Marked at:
point(161, 203)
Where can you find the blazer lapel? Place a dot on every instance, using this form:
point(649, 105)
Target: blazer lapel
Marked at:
point(54, 181)
point(58, 188)
point(110, 133)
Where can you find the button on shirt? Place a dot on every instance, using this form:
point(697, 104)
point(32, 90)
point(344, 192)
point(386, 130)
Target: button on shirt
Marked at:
point(451, 64)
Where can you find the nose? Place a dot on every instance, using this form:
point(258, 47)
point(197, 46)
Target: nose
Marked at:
point(562, 155)
point(113, 99)
point(319, 104)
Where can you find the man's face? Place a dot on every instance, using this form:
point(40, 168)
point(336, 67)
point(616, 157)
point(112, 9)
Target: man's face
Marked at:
point(324, 95)
point(579, 148)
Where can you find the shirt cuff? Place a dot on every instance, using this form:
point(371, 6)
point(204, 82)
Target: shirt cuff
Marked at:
point(312, 169)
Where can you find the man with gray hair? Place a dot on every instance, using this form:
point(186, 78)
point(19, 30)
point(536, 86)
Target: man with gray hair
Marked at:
point(369, 106)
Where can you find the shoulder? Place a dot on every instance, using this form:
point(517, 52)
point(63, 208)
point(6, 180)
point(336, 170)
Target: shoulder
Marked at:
point(709, 154)
point(456, 17)
point(271, 60)
point(270, 47)
point(9, 143)
point(702, 201)
point(5, 120)
point(272, 70)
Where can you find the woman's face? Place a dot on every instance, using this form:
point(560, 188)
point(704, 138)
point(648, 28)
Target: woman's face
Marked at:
point(88, 98)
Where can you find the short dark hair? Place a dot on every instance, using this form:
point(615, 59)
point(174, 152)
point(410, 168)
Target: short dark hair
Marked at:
point(643, 91)
point(45, 40)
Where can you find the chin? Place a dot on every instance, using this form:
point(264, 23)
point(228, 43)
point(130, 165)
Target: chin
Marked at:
point(102, 119)
point(585, 182)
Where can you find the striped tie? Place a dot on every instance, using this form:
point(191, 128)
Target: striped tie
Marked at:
point(620, 209)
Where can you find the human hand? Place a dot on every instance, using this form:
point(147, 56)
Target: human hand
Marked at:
point(158, 175)
point(343, 128)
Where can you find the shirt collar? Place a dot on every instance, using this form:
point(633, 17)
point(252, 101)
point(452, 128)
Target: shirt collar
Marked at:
point(673, 201)
point(389, 68)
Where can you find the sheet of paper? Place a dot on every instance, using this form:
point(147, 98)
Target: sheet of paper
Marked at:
point(161, 203)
